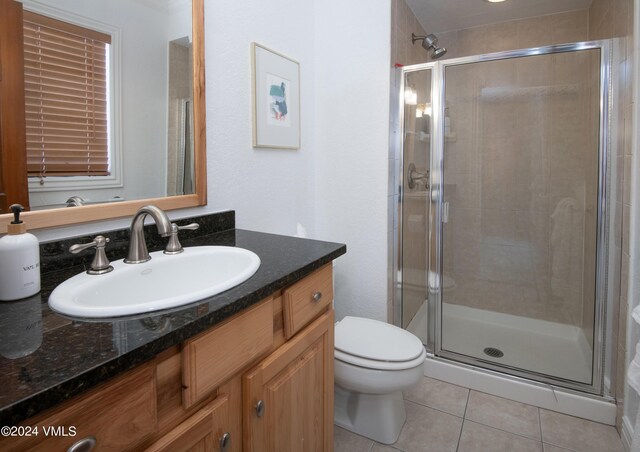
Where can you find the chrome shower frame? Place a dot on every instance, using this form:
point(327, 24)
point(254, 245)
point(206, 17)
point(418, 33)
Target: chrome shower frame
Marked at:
point(605, 302)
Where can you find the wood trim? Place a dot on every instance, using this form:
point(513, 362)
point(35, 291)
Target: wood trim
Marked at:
point(199, 102)
point(85, 214)
point(13, 160)
point(329, 382)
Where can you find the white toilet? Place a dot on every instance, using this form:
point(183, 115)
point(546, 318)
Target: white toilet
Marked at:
point(374, 362)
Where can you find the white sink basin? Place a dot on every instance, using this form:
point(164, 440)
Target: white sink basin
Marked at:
point(166, 281)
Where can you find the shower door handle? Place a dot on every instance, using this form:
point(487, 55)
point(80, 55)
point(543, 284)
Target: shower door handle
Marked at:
point(445, 212)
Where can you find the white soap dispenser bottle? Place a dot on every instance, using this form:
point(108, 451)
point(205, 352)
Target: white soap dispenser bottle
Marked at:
point(19, 260)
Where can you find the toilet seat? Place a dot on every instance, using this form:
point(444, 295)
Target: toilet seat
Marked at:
point(376, 345)
point(380, 365)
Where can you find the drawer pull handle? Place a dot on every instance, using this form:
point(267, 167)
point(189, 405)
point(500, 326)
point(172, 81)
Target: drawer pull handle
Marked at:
point(260, 408)
point(225, 442)
point(84, 445)
point(317, 297)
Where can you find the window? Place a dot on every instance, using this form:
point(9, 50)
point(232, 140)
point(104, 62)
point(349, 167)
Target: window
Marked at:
point(66, 101)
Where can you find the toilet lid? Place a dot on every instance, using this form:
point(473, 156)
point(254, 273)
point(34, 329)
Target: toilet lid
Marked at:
point(375, 340)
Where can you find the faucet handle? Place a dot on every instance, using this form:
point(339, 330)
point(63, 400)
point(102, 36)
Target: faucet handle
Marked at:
point(174, 246)
point(100, 263)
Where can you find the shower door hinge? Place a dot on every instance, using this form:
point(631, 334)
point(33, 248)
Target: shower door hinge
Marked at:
point(445, 212)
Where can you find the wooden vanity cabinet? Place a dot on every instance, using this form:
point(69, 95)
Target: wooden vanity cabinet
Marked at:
point(206, 430)
point(288, 397)
point(259, 381)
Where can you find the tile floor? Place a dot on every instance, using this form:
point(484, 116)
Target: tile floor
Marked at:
point(443, 417)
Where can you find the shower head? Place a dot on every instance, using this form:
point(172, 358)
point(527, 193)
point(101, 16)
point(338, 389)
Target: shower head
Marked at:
point(430, 42)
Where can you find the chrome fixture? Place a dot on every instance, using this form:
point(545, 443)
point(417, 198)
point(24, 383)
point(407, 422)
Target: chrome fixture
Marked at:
point(75, 201)
point(174, 246)
point(413, 177)
point(430, 42)
point(100, 264)
point(137, 246)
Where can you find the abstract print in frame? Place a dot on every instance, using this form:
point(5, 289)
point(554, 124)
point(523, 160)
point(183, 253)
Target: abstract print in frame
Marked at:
point(275, 98)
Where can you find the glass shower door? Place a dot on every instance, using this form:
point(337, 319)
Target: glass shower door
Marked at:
point(520, 213)
point(417, 138)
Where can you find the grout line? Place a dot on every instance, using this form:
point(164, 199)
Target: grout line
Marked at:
point(460, 435)
point(505, 431)
point(434, 409)
point(464, 415)
point(559, 447)
point(466, 404)
point(540, 423)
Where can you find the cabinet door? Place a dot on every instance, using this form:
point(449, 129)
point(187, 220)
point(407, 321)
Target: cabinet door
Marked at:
point(288, 397)
point(205, 431)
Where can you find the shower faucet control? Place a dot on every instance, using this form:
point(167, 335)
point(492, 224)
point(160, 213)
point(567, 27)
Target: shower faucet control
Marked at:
point(413, 177)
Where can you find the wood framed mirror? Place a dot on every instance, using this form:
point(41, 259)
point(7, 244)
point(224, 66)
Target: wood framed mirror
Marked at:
point(13, 130)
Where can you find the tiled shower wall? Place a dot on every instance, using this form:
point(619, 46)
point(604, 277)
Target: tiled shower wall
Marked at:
point(521, 180)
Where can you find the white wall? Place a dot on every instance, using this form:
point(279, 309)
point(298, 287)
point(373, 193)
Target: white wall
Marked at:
point(352, 51)
point(270, 190)
point(336, 183)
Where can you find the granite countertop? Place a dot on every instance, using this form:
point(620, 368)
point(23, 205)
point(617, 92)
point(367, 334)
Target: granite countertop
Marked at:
point(48, 358)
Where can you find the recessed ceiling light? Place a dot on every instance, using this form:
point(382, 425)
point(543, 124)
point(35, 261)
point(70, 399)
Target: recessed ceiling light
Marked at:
point(494, 1)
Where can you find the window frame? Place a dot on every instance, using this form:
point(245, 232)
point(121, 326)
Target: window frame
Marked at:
point(114, 74)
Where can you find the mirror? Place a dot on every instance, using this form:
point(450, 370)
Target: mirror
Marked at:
point(152, 128)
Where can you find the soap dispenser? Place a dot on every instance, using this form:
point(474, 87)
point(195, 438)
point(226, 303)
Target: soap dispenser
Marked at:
point(19, 260)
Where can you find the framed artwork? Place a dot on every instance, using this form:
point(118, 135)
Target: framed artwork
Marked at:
point(276, 99)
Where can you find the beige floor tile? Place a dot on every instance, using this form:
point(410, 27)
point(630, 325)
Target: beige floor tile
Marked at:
point(382, 448)
point(550, 448)
point(503, 414)
point(439, 395)
point(428, 430)
point(346, 441)
point(480, 438)
point(578, 434)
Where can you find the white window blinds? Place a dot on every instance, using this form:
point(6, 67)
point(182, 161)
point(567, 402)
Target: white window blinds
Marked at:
point(65, 98)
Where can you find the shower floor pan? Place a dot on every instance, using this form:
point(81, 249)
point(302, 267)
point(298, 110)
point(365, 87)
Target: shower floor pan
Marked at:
point(549, 348)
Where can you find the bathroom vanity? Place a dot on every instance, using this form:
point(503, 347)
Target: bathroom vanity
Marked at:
point(248, 369)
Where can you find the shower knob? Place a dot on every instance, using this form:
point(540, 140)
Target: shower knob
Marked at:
point(413, 177)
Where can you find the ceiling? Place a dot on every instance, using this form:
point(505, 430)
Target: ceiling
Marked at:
point(445, 15)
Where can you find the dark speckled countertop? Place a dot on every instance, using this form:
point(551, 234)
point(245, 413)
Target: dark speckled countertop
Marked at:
point(47, 358)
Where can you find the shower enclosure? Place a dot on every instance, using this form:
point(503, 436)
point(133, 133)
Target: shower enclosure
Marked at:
point(506, 222)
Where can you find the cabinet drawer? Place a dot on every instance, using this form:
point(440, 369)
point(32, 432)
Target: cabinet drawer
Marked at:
point(306, 299)
point(207, 430)
point(119, 416)
point(212, 357)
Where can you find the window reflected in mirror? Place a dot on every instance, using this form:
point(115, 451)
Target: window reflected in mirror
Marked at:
point(108, 101)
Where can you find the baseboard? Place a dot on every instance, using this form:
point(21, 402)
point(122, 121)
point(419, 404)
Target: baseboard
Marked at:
point(587, 407)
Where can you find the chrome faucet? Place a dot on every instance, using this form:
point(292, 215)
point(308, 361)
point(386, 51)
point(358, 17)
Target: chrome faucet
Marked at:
point(137, 246)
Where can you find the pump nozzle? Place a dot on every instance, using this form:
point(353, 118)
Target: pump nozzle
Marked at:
point(16, 209)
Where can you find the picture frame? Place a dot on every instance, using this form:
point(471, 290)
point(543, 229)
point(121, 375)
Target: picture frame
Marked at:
point(275, 95)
